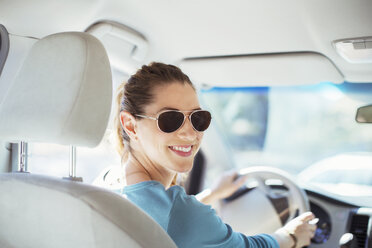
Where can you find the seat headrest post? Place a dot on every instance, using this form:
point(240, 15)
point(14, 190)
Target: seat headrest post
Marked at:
point(72, 161)
point(22, 156)
point(72, 166)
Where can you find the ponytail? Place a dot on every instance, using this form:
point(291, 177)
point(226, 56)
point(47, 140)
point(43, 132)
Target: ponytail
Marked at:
point(119, 131)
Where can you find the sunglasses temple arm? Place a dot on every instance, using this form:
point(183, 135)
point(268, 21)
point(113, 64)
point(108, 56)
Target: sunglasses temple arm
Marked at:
point(147, 117)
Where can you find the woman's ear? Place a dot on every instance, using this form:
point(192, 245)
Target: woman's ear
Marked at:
point(128, 122)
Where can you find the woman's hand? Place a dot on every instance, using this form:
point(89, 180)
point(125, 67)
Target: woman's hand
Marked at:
point(300, 227)
point(225, 186)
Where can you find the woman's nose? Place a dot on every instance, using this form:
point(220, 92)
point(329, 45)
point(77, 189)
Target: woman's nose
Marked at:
point(187, 131)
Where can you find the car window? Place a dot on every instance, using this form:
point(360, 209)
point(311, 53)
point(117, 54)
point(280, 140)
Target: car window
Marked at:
point(52, 159)
point(294, 127)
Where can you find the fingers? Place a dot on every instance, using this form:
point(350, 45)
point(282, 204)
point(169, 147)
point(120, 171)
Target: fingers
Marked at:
point(229, 176)
point(240, 181)
point(307, 234)
point(307, 216)
point(231, 173)
point(312, 226)
point(312, 229)
point(303, 227)
point(313, 221)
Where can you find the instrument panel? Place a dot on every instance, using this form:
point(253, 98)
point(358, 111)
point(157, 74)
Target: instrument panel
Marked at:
point(339, 218)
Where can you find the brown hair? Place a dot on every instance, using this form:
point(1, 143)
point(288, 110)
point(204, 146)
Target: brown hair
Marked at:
point(137, 93)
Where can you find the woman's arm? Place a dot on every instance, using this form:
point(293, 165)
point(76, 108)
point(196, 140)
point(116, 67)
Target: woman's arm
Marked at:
point(225, 186)
point(296, 233)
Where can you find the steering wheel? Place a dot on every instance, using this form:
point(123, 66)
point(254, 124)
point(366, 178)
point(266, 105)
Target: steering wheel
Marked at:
point(262, 209)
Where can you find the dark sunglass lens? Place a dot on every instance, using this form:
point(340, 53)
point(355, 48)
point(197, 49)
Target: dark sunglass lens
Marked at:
point(170, 121)
point(201, 120)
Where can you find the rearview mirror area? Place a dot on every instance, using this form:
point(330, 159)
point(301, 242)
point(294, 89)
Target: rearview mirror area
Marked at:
point(364, 114)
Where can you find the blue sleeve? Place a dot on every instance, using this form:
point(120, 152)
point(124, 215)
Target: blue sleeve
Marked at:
point(193, 224)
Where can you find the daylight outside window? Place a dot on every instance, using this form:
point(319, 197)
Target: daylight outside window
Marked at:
point(308, 131)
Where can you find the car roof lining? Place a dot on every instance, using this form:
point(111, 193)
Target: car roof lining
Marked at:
point(189, 29)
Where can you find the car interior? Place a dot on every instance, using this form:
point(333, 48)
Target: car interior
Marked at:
point(288, 83)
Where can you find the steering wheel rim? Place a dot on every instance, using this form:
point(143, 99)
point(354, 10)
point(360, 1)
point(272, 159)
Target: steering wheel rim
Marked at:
point(297, 198)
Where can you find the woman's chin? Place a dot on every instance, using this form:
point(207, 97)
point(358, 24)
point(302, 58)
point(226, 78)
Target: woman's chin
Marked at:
point(181, 164)
point(183, 168)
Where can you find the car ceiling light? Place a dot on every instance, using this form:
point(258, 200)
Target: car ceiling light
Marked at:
point(358, 50)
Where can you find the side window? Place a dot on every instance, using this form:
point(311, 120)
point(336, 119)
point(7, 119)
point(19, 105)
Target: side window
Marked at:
point(241, 113)
point(4, 46)
point(53, 159)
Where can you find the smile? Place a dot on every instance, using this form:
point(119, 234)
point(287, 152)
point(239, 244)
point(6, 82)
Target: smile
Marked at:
point(183, 151)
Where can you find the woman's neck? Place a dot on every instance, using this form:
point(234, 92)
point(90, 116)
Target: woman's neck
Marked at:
point(139, 169)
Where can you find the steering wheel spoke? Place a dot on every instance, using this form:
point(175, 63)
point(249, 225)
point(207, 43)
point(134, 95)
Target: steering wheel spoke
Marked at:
point(261, 184)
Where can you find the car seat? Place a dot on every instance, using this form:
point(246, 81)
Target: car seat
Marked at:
point(62, 94)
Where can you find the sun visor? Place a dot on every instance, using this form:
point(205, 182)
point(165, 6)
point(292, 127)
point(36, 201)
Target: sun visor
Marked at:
point(262, 70)
point(126, 48)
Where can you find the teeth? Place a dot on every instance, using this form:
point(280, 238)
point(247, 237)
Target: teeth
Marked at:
point(182, 149)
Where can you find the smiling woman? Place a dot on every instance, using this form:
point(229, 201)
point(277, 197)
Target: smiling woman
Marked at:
point(279, 85)
point(160, 128)
point(173, 91)
point(137, 102)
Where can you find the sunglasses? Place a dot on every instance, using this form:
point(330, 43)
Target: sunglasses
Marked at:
point(171, 120)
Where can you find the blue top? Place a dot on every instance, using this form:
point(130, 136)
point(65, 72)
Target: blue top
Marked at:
point(187, 221)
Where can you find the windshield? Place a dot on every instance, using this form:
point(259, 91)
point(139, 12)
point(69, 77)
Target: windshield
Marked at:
point(308, 131)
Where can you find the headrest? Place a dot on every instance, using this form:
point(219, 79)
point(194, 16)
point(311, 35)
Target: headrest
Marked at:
point(62, 93)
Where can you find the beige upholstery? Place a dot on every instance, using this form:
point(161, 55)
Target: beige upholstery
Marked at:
point(39, 211)
point(62, 94)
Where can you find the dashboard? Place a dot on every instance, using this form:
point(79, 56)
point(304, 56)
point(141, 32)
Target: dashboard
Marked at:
point(339, 221)
point(337, 218)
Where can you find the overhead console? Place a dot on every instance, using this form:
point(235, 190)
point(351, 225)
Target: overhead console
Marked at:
point(295, 68)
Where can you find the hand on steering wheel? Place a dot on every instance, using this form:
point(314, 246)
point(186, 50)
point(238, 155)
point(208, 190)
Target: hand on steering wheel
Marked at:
point(254, 212)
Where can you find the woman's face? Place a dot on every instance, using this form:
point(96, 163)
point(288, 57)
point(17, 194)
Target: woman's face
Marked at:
point(163, 149)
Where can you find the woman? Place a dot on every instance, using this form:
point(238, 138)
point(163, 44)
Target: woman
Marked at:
point(160, 129)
